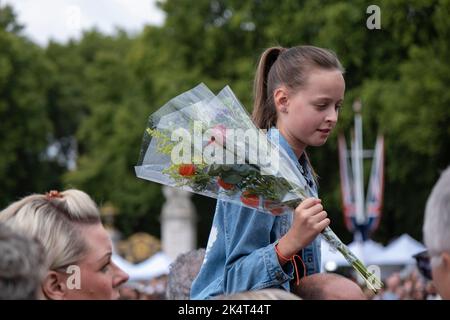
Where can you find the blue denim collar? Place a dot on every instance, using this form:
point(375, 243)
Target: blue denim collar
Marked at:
point(275, 135)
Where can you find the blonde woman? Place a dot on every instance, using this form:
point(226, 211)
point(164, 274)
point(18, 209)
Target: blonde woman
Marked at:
point(77, 247)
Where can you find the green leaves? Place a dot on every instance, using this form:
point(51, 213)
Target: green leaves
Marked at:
point(25, 127)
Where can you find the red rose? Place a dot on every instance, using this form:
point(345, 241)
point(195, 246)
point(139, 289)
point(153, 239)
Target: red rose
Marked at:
point(273, 207)
point(186, 170)
point(224, 185)
point(251, 200)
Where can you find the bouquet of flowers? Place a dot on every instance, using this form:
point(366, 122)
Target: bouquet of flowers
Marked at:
point(207, 144)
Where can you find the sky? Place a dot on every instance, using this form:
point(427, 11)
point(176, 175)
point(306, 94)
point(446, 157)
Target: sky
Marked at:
point(61, 20)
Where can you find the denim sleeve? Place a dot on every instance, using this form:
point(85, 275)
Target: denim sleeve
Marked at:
point(251, 262)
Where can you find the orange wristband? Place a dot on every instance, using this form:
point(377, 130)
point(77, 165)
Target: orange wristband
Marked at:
point(283, 258)
point(294, 262)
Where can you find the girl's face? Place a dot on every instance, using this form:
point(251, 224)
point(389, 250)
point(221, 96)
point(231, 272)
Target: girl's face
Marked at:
point(307, 117)
point(100, 278)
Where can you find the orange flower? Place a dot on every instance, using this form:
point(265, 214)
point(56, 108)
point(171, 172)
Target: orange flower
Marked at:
point(224, 185)
point(273, 207)
point(251, 200)
point(186, 170)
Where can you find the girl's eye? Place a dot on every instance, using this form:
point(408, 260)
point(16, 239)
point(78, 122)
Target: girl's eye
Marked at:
point(339, 107)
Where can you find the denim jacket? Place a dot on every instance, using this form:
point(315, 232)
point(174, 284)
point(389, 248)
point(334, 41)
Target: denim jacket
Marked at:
point(240, 254)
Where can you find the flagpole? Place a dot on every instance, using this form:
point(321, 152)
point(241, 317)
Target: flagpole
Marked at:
point(358, 172)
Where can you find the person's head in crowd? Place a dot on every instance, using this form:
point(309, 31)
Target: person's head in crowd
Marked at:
point(436, 233)
point(77, 248)
point(21, 266)
point(430, 291)
point(389, 292)
point(408, 286)
point(393, 282)
point(419, 291)
point(264, 294)
point(129, 293)
point(182, 273)
point(415, 276)
point(329, 286)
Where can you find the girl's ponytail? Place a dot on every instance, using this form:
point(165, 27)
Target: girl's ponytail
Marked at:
point(264, 113)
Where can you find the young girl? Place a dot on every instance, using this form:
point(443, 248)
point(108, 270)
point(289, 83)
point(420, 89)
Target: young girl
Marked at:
point(298, 94)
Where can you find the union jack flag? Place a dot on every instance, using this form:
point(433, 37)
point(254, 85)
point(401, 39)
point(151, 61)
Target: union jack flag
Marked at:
point(374, 199)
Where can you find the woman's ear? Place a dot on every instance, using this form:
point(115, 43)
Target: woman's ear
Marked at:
point(281, 99)
point(54, 286)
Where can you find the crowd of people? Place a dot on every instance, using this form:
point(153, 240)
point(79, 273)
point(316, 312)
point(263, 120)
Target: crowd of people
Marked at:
point(408, 284)
point(53, 246)
point(412, 286)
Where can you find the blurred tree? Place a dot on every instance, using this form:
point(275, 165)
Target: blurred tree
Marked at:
point(110, 132)
point(8, 20)
point(25, 129)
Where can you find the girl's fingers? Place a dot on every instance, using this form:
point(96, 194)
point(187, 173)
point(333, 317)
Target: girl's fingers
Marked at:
point(308, 203)
point(319, 216)
point(323, 224)
point(314, 210)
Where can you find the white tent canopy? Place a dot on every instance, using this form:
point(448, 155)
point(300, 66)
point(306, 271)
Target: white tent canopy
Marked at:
point(122, 263)
point(398, 252)
point(365, 252)
point(155, 266)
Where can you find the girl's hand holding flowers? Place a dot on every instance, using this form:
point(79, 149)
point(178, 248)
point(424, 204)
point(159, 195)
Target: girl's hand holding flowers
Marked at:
point(309, 221)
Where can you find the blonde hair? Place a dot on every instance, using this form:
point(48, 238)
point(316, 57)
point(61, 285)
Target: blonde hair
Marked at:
point(54, 219)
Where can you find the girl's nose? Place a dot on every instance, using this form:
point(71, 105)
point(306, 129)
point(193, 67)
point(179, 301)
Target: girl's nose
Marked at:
point(332, 115)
